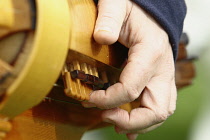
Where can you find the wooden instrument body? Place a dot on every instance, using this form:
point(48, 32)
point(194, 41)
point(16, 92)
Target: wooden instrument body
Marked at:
point(63, 31)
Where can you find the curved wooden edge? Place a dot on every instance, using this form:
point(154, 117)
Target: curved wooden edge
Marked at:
point(39, 74)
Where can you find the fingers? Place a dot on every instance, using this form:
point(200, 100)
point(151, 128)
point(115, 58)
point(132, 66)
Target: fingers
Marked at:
point(110, 18)
point(138, 119)
point(114, 96)
point(131, 136)
point(134, 77)
point(154, 109)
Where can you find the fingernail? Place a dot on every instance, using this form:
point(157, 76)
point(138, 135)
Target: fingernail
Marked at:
point(106, 29)
point(88, 105)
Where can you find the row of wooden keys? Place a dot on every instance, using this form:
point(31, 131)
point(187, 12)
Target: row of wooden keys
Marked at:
point(81, 79)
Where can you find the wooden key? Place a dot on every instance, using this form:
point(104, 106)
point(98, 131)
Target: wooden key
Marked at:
point(88, 90)
point(95, 71)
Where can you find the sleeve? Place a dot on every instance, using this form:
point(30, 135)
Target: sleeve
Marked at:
point(170, 15)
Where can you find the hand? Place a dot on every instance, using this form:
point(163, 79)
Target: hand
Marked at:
point(149, 73)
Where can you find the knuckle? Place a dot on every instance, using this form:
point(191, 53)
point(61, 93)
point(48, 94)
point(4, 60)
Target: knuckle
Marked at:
point(161, 116)
point(171, 112)
point(104, 104)
point(132, 94)
point(110, 17)
point(127, 126)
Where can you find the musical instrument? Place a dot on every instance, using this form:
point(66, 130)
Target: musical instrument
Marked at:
point(49, 62)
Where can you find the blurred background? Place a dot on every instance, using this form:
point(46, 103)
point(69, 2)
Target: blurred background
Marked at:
point(191, 120)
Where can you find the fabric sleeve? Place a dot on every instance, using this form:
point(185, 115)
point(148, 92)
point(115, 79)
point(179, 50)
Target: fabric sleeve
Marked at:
point(170, 15)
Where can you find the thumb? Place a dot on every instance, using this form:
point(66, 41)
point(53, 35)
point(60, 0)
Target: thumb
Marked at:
point(131, 136)
point(111, 14)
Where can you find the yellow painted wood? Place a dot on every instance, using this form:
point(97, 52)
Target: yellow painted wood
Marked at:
point(45, 61)
point(7, 13)
point(16, 16)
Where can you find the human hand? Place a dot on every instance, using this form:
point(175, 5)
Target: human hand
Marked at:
point(148, 74)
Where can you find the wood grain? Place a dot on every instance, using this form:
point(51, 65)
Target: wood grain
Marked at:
point(61, 117)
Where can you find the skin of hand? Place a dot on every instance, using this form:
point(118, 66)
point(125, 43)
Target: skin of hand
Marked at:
point(148, 74)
